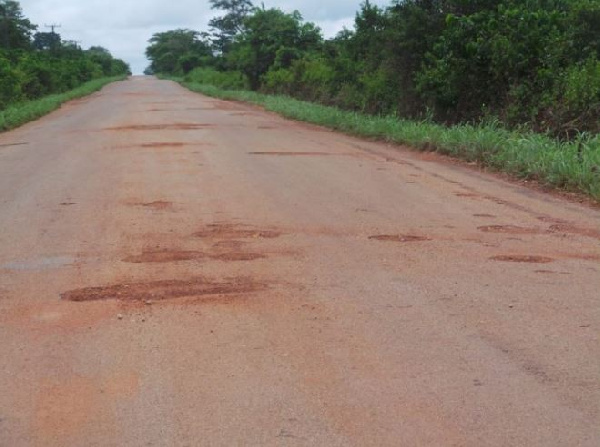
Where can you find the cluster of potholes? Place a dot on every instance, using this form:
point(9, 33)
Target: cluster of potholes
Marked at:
point(228, 248)
point(228, 241)
point(560, 227)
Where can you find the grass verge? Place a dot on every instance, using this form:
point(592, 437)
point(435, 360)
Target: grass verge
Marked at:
point(18, 114)
point(570, 166)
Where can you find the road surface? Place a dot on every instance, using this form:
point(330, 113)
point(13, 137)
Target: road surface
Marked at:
point(177, 270)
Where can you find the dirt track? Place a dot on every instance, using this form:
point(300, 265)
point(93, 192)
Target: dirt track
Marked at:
point(177, 270)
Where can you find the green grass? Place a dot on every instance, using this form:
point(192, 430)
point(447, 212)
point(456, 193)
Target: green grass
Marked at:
point(18, 114)
point(569, 166)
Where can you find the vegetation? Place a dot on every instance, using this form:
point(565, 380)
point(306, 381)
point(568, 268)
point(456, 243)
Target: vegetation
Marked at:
point(572, 166)
point(20, 113)
point(425, 73)
point(531, 63)
point(34, 65)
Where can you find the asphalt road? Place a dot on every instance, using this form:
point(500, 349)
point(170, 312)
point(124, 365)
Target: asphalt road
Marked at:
point(177, 270)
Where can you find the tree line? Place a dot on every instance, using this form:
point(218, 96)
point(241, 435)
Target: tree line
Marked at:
point(35, 64)
point(532, 63)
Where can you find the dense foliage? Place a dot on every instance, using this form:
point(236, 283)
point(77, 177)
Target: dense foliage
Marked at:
point(522, 62)
point(33, 64)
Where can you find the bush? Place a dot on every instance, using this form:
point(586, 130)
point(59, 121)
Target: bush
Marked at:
point(228, 80)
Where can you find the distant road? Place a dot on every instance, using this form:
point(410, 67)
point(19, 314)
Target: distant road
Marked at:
point(177, 270)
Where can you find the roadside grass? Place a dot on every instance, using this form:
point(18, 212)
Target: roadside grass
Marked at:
point(20, 113)
point(570, 166)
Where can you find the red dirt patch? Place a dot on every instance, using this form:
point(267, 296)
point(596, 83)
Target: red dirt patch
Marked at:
point(572, 229)
point(552, 220)
point(467, 194)
point(293, 154)
point(165, 290)
point(174, 126)
point(510, 229)
point(523, 258)
point(229, 245)
point(164, 256)
point(399, 238)
point(159, 205)
point(164, 144)
point(237, 256)
point(229, 231)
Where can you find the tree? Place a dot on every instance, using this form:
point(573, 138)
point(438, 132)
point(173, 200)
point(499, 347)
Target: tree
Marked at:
point(273, 39)
point(178, 51)
point(226, 27)
point(46, 41)
point(15, 29)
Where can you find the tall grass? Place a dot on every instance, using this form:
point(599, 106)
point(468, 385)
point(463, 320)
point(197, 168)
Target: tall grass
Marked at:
point(18, 114)
point(571, 166)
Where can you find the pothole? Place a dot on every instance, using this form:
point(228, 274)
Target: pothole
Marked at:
point(174, 126)
point(167, 256)
point(523, 258)
point(293, 154)
point(466, 194)
point(229, 231)
point(510, 229)
point(159, 205)
point(163, 144)
point(399, 238)
point(237, 256)
point(164, 256)
point(484, 215)
point(229, 245)
point(165, 290)
point(572, 229)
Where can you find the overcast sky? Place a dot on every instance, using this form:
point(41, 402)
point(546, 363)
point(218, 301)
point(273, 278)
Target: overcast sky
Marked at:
point(124, 26)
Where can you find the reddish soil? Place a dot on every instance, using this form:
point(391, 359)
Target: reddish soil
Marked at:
point(164, 256)
point(399, 238)
point(523, 258)
point(165, 290)
point(472, 337)
point(152, 127)
point(238, 256)
point(572, 229)
point(232, 231)
point(163, 144)
point(293, 154)
point(511, 229)
point(159, 205)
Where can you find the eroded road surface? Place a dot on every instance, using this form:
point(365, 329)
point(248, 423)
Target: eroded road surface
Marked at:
point(177, 270)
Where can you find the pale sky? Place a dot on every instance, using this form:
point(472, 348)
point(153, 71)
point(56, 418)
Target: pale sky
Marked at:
point(124, 26)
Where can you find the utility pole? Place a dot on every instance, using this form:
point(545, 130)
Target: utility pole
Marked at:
point(53, 27)
point(54, 45)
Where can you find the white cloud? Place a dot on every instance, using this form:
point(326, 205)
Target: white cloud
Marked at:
point(124, 26)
